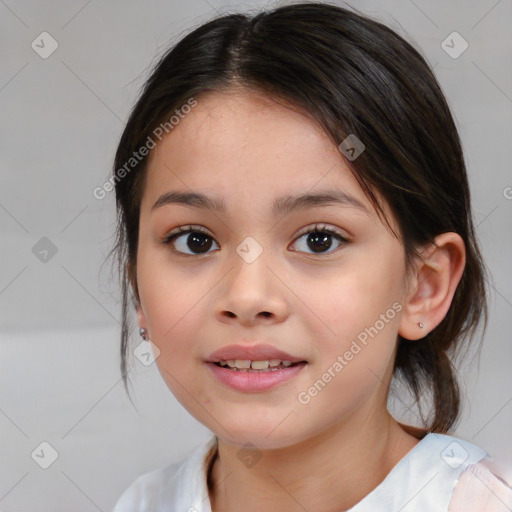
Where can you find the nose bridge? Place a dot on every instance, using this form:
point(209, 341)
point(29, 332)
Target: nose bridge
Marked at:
point(250, 263)
point(251, 287)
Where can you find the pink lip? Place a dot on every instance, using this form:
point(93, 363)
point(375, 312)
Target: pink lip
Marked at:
point(260, 352)
point(254, 381)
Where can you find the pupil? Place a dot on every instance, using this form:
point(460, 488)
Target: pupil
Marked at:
point(322, 239)
point(203, 242)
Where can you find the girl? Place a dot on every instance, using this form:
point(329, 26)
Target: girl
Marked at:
point(296, 229)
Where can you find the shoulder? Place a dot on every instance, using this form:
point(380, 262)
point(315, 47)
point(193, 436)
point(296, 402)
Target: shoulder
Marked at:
point(478, 482)
point(147, 489)
point(453, 454)
point(425, 478)
point(178, 484)
point(485, 486)
point(441, 473)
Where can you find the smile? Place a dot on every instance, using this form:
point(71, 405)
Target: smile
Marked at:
point(268, 365)
point(242, 376)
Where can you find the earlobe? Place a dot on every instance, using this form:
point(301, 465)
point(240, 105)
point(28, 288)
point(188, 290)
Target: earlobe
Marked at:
point(141, 317)
point(433, 286)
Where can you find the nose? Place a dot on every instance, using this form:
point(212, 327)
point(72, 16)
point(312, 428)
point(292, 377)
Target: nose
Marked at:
point(252, 293)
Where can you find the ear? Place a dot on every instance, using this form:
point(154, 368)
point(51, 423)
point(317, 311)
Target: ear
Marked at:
point(432, 287)
point(141, 318)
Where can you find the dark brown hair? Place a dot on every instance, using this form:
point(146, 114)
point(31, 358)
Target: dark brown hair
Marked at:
point(354, 76)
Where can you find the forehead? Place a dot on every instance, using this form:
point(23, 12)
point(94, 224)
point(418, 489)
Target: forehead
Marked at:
point(251, 149)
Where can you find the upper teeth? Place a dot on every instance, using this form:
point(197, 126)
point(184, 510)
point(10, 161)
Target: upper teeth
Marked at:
point(255, 365)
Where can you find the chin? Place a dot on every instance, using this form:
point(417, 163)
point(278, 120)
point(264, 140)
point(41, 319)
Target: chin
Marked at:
point(264, 436)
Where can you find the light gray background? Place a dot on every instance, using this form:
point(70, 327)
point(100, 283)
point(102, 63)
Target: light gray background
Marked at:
point(60, 122)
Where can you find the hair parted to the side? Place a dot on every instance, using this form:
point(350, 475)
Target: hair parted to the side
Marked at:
point(353, 75)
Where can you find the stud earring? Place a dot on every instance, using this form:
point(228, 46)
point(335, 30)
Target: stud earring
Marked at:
point(421, 326)
point(143, 333)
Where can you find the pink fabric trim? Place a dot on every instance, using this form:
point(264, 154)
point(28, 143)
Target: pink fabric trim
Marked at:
point(483, 487)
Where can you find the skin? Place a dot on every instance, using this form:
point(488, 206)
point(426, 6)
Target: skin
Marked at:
point(328, 454)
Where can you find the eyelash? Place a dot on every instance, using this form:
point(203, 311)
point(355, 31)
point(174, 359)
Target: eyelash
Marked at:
point(317, 228)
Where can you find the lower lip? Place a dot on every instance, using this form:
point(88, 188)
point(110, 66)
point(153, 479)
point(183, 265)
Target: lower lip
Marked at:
point(254, 381)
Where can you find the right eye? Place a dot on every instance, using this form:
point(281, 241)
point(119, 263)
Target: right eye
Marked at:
point(194, 238)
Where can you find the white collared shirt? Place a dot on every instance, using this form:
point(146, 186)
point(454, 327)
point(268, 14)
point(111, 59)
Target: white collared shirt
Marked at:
point(441, 473)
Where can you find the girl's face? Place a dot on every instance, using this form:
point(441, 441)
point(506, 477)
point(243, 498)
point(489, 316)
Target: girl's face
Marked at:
point(333, 302)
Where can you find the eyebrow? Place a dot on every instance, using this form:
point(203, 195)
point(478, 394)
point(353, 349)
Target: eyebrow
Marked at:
point(283, 205)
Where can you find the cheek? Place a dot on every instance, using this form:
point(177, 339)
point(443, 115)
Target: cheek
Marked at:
point(173, 320)
point(174, 304)
point(354, 366)
point(355, 314)
point(346, 302)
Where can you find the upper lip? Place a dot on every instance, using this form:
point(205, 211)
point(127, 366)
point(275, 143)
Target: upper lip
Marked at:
point(259, 352)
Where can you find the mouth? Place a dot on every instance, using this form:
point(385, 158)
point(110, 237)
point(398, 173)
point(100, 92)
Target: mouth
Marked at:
point(255, 376)
point(265, 366)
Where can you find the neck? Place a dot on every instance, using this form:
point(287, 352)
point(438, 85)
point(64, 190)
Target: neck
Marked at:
point(330, 472)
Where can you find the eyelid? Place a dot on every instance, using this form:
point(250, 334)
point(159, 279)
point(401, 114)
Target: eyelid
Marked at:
point(323, 227)
point(185, 229)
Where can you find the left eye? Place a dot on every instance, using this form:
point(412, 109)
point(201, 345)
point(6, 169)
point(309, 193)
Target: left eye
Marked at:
point(319, 239)
point(194, 238)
